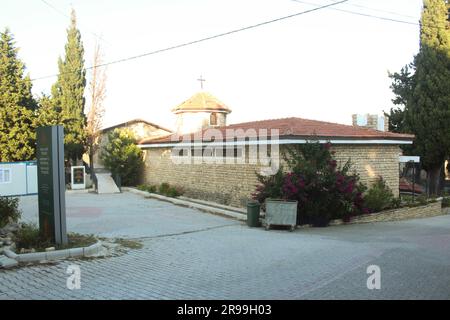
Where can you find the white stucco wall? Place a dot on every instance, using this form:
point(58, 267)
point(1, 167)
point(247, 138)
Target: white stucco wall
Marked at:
point(22, 179)
point(188, 122)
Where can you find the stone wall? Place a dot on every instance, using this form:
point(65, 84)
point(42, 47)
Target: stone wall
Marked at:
point(372, 161)
point(429, 210)
point(230, 184)
point(233, 184)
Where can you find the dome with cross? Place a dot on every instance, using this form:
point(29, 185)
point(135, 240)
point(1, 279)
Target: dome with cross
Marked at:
point(201, 111)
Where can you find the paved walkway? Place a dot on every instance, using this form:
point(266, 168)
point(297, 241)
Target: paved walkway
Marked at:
point(126, 215)
point(223, 259)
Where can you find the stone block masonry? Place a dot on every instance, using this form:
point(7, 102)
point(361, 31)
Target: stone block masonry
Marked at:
point(233, 184)
point(430, 210)
point(372, 161)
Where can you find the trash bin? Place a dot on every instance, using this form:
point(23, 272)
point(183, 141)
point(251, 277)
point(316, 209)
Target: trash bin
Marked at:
point(253, 209)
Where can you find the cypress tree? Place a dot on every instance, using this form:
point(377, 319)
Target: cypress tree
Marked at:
point(17, 106)
point(423, 88)
point(68, 93)
point(428, 110)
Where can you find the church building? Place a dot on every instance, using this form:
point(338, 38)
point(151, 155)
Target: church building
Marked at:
point(226, 172)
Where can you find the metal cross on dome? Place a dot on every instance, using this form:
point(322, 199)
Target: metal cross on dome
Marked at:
point(201, 81)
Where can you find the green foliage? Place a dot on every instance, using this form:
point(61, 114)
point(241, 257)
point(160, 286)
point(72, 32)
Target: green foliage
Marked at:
point(163, 189)
point(269, 187)
point(147, 187)
point(67, 103)
point(9, 210)
point(122, 156)
point(29, 237)
point(422, 200)
point(446, 202)
point(396, 203)
point(379, 197)
point(323, 190)
point(426, 93)
point(174, 192)
point(48, 114)
point(17, 119)
point(131, 244)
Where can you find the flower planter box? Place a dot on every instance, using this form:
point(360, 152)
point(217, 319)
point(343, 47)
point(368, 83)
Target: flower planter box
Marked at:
point(281, 213)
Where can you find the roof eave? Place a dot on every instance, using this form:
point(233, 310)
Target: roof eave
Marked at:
point(286, 140)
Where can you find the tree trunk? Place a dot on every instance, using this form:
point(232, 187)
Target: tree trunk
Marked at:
point(91, 164)
point(434, 181)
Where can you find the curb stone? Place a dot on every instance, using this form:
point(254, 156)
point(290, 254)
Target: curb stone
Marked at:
point(190, 204)
point(12, 259)
point(7, 263)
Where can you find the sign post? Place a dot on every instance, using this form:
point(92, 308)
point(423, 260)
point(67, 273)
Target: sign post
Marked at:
point(51, 183)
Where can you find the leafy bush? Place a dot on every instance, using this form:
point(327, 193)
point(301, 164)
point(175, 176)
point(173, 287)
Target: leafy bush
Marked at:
point(396, 203)
point(323, 190)
point(422, 199)
point(9, 210)
point(122, 156)
point(446, 202)
point(147, 187)
point(379, 197)
point(29, 236)
point(164, 189)
point(174, 192)
point(269, 187)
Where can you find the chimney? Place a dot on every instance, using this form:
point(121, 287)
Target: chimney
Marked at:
point(371, 121)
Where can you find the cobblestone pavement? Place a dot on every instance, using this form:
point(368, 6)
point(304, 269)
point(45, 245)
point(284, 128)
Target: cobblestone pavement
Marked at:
point(228, 260)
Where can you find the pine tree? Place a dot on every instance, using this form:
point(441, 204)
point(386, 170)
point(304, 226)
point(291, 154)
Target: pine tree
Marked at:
point(17, 106)
point(426, 93)
point(68, 93)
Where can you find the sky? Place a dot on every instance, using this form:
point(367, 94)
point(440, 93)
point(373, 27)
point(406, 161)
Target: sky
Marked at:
point(324, 65)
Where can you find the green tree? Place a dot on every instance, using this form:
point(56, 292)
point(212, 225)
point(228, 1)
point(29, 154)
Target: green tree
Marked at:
point(402, 84)
point(122, 156)
point(17, 106)
point(426, 93)
point(68, 93)
point(48, 114)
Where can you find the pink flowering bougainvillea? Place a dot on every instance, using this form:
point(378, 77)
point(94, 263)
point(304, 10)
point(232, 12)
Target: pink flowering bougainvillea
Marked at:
point(324, 190)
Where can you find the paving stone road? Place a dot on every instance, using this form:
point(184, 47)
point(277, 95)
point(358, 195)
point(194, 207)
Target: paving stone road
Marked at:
point(201, 256)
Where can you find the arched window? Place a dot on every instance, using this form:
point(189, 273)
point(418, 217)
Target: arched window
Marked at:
point(213, 119)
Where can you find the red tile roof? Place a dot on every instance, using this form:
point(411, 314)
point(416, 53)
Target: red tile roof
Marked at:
point(303, 128)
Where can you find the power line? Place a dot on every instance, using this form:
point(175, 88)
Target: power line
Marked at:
point(379, 17)
point(67, 16)
point(381, 10)
point(363, 14)
point(185, 44)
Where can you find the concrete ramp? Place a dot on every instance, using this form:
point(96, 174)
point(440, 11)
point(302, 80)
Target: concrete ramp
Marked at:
point(106, 184)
